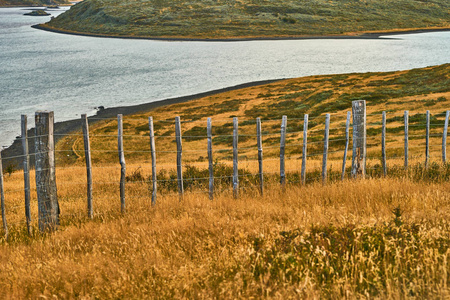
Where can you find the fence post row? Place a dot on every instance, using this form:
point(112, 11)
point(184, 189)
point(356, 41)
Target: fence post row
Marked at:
point(26, 172)
point(179, 156)
point(427, 139)
point(383, 143)
point(260, 155)
point(406, 121)
point(305, 144)
point(282, 151)
point(444, 138)
point(121, 161)
point(210, 158)
point(87, 155)
point(325, 148)
point(2, 199)
point(359, 139)
point(153, 154)
point(347, 139)
point(235, 159)
point(48, 205)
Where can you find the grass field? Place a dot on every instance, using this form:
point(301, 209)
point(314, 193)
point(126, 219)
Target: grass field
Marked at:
point(385, 238)
point(250, 19)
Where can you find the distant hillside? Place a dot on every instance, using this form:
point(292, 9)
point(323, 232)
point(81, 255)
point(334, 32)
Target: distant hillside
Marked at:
point(32, 2)
point(249, 18)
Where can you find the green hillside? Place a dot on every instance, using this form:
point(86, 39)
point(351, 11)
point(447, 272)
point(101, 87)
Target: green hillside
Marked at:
point(32, 2)
point(250, 18)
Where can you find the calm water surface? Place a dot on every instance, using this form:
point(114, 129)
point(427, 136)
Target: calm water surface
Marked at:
point(72, 75)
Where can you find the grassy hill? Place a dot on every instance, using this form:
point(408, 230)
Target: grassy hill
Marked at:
point(247, 19)
point(32, 2)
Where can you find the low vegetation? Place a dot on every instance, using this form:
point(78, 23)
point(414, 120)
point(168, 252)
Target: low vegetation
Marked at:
point(249, 19)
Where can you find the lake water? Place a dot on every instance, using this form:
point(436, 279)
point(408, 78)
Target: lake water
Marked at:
point(72, 75)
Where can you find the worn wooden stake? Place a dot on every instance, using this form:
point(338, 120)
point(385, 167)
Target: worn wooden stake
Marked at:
point(153, 154)
point(282, 151)
point(304, 151)
point(48, 205)
point(235, 159)
point(347, 140)
point(87, 155)
point(444, 138)
point(325, 148)
point(406, 121)
point(260, 155)
point(210, 159)
point(122, 162)
point(427, 140)
point(383, 143)
point(359, 139)
point(179, 157)
point(2, 199)
point(26, 172)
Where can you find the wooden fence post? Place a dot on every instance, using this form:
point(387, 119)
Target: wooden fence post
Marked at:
point(427, 140)
point(304, 151)
point(210, 159)
point(122, 162)
point(235, 159)
point(325, 148)
point(260, 155)
point(383, 143)
point(153, 154)
point(179, 157)
point(48, 205)
point(2, 199)
point(26, 172)
point(406, 121)
point(87, 155)
point(444, 138)
point(359, 139)
point(282, 151)
point(347, 140)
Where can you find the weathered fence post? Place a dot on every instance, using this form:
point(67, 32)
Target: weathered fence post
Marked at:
point(87, 155)
point(383, 142)
point(304, 150)
point(427, 140)
point(2, 199)
point(325, 148)
point(347, 139)
point(153, 154)
point(444, 138)
point(235, 159)
point(210, 159)
point(26, 172)
point(359, 139)
point(179, 157)
point(48, 205)
point(121, 161)
point(282, 151)
point(260, 155)
point(406, 119)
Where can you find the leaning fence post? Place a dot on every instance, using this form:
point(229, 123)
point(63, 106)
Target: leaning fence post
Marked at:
point(210, 158)
point(260, 155)
point(444, 138)
point(235, 159)
point(26, 172)
point(153, 154)
point(282, 151)
point(305, 144)
point(87, 154)
point(427, 140)
point(2, 199)
point(347, 139)
point(179, 156)
point(48, 205)
point(359, 139)
point(383, 142)
point(325, 148)
point(121, 161)
point(405, 119)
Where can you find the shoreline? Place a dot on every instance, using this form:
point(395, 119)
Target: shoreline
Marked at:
point(360, 35)
point(12, 155)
